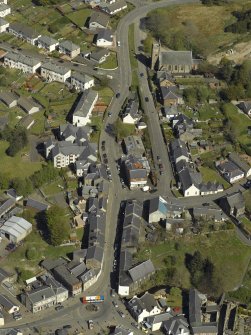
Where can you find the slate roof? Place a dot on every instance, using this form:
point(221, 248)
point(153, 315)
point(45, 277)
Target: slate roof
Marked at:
point(24, 30)
point(36, 205)
point(85, 102)
point(6, 302)
point(68, 45)
point(8, 97)
point(141, 270)
point(179, 149)
point(105, 34)
point(159, 318)
point(169, 92)
point(50, 264)
point(26, 103)
point(175, 325)
point(176, 58)
point(3, 22)
point(66, 275)
point(8, 204)
point(134, 207)
point(62, 70)
point(230, 168)
point(3, 275)
point(235, 158)
point(100, 18)
point(97, 55)
point(145, 302)
point(15, 57)
point(194, 307)
point(43, 292)
point(125, 260)
point(47, 40)
point(96, 253)
point(235, 200)
point(82, 78)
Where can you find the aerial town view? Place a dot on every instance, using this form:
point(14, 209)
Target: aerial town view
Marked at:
point(125, 167)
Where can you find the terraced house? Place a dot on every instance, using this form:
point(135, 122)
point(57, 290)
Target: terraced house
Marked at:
point(21, 62)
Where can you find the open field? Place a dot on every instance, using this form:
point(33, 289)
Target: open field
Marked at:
point(18, 166)
point(184, 26)
point(227, 253)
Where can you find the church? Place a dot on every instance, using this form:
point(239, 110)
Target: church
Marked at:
point(175, 62)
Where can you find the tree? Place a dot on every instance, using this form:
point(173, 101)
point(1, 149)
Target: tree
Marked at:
point(32, 254)
point(46, 175)
point(190, 96)
point(57, 225)
point(23, 275)
point(22, 186)
point(17, 139)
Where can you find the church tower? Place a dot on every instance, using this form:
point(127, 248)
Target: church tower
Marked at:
point(155, 55)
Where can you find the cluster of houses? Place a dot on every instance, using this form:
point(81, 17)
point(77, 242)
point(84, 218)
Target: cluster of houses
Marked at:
point(131, 275)
point(234, 168)
point(154, 314)
point(111, 7)
point(189, 179)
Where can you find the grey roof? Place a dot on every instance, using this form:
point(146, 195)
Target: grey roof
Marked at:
point(134, 207)
point(16, 57)
point(132, 220)
point(8, 204)
point(50, 264)
point(159, 318)
point(85, 102)
point(77, 268)
point(209, 211)
point(8, 97)
point(236, 199)
point(176, 58)
point(235, 158)
point(24, 30)
point(47, 40)
point(96, 222)
point(125, 260)
point(65, 275)
point(83, 78)
point(36, 204)
point(97, 55)
point(96, 253)
point(100, 18)
point(55, 68)
point(3, 275)
point(6, 302)
point(26, 103)
point(179, 149)
point(194, 307)
point(3, 22)
point(130, 236)
point(206, 328)
point(230, 169)
point(134, 144)
point(245, 106)
point(105, 34)
point(40, 293)
point(141, 270)
point(68, 45)
point(172, 110)
point(88, 275)
point(169, 92)
point(146, 301)
point(175, 325)
point(132, 108)
point(121, 331)
point(116, 5)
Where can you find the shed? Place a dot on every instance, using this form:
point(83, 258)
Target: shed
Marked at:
point(28, 105)
point(16, 229)
point(8, 305)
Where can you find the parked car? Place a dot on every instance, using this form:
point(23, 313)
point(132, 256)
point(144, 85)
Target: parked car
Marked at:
point(117, 95)
point(67, 327)
point(115, 304)
point(146, 99)
point(121, 314)
point(158, 158)
point(112, 292)
point(59, 307)
point(90, 324)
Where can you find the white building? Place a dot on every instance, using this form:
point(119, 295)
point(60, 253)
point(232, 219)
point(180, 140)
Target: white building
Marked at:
point(81, 82)
point(28, 105)
point(68, 48)
point(104, 38)
point(4, 10)
point(142, 307)
point(15, 229)
point(47, 43)
point(1, 319)
point(114, 7)
point(21, 62)
point(52, 72)
point(8, 305)
point(28, 34)
point(4, 25)
point(84, 108)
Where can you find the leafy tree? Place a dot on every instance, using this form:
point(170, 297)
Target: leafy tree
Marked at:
point(23, 275)
point(57, 225)
point(17, 139)
point(22, 186)
point(32, 254)
point(175, 291)
point(46, 175)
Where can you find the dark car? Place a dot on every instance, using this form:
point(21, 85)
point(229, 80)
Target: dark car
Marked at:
point(146, 99)
point(142, 74)
point(158, 158)
point(104, 155)
point(161, 166)
point(67, 327)
point(117, 95)
point(105, 160)
point(103, 142)
point(59, 307)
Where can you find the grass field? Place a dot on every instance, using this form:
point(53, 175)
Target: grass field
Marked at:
point(213, 176)
point(105, 94)
point(111, 62)
point(18, 166)
point(79, 17)
point(227, 253)
point(188, 21)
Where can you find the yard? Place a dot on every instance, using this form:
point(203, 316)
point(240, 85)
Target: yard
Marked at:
point(212, 175)
point(227, 253)
point(18, 166)
point(111, 62)
point(105, 95)
point(79, 17)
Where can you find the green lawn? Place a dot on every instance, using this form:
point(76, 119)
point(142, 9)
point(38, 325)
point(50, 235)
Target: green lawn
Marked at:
point(53, 188)
point(207, 112)
point(213, 176)
point(96, 124)
point(111, 62)
point(18, 166)
point(224, 249)
point(105, 94)
point(239, 124)
point(79, 17)
point(246, 224)
point(247, 196)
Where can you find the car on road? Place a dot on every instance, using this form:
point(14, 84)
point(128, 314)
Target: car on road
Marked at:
point(59, 307)
point(141, 74)
point(90, 324)
point(10, 247)
point(104, 155)
point(161, 166)
point(146, 99)
point(114, 262)
point(17, 316)
point(115, 304)
point(67, 327)
point(121, 314)
point(112, 292)
point(161, 172)
point(134, 324)
point(105, 160)
point(103, 143)
point(109, 114)
point(117, 95)
point(158, 158)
